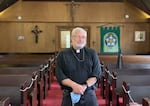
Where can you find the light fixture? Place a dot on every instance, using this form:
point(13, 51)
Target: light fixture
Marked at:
point(126, 16)
point(19, 17)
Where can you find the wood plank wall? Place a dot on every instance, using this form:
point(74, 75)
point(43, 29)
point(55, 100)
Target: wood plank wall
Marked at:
point(51, 15)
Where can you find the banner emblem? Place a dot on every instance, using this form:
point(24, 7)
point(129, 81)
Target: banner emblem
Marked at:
point(111, 39)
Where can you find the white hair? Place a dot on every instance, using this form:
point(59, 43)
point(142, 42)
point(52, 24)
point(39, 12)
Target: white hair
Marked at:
point(78, 29)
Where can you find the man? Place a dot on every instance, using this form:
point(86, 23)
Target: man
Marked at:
point(78, 70)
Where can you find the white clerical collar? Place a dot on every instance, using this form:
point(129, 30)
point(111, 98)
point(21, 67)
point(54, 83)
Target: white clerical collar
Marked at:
point(78, 51)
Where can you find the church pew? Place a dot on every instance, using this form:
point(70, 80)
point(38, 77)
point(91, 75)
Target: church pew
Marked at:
point(27, 71)
point(51, 69)
point(14, 63)
point(132, 79)
point(130, 66)
point(129, 62)
point(4, 101)
point(18, 70)
point(19, 62)
point(25, 57)
point(42, 76)
point(138, 69)
point(45, 75)
point(21, 89)
point(24, 60)
point(102, 80)
point(29, 61)
point(109, 76)
point(131, 71)
point(107, 85)
point(112, 67)
point(46, 70)
point(146, 101)
point(127, 59)
point(134, 93)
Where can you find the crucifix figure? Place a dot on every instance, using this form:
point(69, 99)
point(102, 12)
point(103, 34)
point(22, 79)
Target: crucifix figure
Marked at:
point(72, 10)
point(36, 32)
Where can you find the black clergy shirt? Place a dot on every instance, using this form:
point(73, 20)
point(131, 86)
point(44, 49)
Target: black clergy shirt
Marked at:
point(77, 66)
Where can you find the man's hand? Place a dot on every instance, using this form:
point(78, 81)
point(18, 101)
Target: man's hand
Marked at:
point(79, 89)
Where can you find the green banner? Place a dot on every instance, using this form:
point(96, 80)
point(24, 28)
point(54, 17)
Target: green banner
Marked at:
point(110, 39)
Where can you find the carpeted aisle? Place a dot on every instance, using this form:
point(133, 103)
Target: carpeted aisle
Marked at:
point(101, 101)
point(55, 95)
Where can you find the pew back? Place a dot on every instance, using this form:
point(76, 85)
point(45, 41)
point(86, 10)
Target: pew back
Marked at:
point(135, 92)
point(10, 86)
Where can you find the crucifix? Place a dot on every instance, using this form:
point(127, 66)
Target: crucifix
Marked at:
point(72, 10)
point(36, 32)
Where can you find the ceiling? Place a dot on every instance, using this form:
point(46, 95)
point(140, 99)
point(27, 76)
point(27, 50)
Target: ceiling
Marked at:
point(6, 3)
point(141, 4)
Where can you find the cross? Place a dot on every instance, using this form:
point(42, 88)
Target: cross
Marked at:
point(36, 32)
point(72, 10)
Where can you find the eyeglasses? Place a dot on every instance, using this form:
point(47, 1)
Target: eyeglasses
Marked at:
point(80, 37)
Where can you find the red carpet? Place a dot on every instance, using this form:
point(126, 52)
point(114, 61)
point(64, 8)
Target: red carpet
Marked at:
point(55, 95)
point(101, 101)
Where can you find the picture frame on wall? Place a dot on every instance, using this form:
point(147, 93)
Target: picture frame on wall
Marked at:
point(140, 36)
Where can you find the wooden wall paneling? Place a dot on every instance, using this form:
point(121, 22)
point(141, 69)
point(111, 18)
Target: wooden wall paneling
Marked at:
point(48, 16)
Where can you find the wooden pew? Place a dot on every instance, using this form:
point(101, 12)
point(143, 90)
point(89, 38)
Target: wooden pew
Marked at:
point(106, 74)
point(107, 82)
point(4, 101)
point(135, 93)
point(130, 66)
point(45, 75)
point(27, 71)
point(129, 62)
point(146, 101)
point(102, 80)
point(21, 89)
point(20, 60)
point(113, 67)
point(18, 70)
point(42, 76)
point(31, 61)
point(132, 79)
point(110, 79)
point(25, 57)
point(127, 59)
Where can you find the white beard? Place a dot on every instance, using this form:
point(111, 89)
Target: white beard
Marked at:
point(79, 46)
